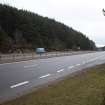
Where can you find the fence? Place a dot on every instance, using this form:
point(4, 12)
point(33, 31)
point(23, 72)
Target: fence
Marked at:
point(28, 56)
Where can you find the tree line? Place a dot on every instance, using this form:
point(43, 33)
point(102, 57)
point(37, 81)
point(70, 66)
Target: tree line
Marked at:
point(22, 29)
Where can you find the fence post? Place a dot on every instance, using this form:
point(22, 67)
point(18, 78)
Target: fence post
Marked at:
point(45, 54)
point(32, 55)
point(56, 53)
point(0, 57)
point(13, 57)
point(39, 55)
point(23, 55)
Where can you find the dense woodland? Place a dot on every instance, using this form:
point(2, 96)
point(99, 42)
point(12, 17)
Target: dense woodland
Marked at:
point(22, 29)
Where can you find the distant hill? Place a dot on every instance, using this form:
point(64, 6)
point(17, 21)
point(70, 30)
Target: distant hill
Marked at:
point(22, 29)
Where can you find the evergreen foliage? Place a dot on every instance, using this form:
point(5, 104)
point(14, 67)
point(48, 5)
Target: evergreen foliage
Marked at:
point(21, 29)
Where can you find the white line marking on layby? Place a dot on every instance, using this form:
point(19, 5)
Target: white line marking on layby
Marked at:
point(30, 66)
point(19, 84)
point(70, 67)
point(60, 70)
point(45, 76)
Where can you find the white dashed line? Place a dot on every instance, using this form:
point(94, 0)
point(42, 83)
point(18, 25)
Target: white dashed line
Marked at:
point(19, 84)
point(70, 67)
point(77, 64)
point(47, 75)
point(60, 70)
point(30, 66)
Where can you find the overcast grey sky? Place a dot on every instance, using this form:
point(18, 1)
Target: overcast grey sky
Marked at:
point(83, 15)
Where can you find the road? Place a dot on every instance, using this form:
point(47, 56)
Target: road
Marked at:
point(20, 77)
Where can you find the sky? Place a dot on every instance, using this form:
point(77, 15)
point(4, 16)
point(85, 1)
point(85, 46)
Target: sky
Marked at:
point(82, 15)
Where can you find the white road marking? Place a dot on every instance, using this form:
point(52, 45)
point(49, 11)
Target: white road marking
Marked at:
point(19, 84)
point(30, 66)
point(60, 70)
point(70, 67)
point(45, 76)
point(77, 64)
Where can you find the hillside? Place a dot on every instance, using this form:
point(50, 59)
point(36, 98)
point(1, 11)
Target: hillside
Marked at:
point(22, 29)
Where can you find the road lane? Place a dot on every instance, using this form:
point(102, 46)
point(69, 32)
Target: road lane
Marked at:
point(16, 78)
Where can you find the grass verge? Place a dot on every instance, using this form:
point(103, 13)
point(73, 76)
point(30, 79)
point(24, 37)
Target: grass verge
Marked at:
point(85, 88)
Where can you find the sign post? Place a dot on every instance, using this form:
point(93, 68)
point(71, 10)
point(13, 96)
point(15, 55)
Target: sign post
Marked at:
point(40, 51)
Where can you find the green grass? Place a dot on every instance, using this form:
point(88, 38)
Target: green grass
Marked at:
point(85, 88)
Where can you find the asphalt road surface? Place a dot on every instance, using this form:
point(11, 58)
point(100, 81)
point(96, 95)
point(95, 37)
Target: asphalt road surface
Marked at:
point(20, 77)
